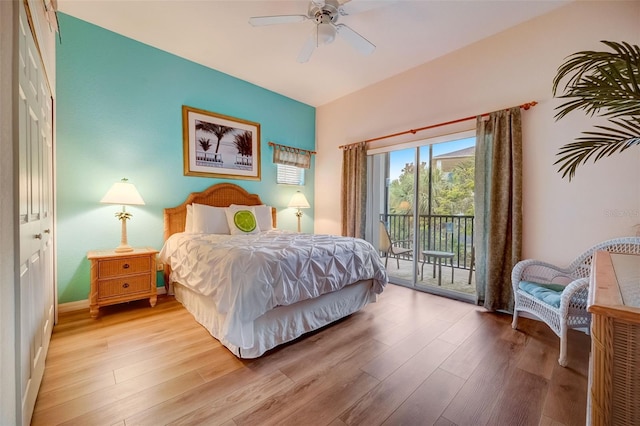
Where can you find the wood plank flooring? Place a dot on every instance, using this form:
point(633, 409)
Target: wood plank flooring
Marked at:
point(410, 359)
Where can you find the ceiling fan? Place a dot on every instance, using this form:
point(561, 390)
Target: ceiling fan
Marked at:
point(325, 14)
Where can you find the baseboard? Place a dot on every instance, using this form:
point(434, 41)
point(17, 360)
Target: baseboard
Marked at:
point(80, 305)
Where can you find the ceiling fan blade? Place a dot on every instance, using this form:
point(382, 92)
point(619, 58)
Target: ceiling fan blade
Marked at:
point(318, 3)
point(353, 7)
point(358, 42)
point(308, 48)
point(258, 21)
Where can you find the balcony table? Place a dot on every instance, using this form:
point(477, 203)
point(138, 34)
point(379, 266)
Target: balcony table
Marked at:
point(437, 256)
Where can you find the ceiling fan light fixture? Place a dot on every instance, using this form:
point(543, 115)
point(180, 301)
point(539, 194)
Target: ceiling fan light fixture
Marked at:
point(326, 33)
point(325, 14)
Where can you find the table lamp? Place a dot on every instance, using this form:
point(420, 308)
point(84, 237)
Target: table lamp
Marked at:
point(298, 201)
point(124, 193)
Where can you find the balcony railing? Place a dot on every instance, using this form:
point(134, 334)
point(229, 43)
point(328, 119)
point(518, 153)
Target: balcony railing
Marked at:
point(451, 233)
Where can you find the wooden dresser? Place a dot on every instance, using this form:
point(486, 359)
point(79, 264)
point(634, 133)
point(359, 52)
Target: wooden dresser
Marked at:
point(121, 277)
point(614, 370)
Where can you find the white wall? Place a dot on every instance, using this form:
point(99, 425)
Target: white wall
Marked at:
point(561, 218)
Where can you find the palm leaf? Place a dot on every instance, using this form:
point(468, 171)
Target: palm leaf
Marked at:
point(583, 62)
point(609, 91)
point(606, 84)
point(598, 145)
point(601, 80)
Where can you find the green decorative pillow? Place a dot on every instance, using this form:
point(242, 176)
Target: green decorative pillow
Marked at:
point(242, 220)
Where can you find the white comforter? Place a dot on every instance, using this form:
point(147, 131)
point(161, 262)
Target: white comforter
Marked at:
point(247, 275)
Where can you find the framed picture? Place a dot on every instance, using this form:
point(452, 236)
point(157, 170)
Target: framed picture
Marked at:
point(216, 145)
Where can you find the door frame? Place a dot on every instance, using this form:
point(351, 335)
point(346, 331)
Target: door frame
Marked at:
point(375, 195)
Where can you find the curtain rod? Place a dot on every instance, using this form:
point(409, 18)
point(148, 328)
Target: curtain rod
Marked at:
point(277, 145)
point(525, 106)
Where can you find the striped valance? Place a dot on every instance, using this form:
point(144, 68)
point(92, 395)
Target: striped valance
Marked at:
point(290, 156)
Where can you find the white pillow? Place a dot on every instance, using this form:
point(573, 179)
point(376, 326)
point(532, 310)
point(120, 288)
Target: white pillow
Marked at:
point(188, 225)
point(209, 220)
point(242, 220)
point(263, 215)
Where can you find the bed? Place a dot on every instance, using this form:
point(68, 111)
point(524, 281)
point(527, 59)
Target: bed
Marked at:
point(257, 290)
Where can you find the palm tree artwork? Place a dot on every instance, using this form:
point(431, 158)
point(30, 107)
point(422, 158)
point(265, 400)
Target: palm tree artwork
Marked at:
point(244, 143)
point(605, 84)
point(217, 129)
point(205, 144)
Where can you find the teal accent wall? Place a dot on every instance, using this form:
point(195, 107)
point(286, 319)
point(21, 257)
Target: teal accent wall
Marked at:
point(119, 114)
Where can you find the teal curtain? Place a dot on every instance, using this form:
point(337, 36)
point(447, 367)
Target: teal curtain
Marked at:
point(354, 190)
point(498, 203)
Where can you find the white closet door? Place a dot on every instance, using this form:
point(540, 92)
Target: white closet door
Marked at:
point(35, 163)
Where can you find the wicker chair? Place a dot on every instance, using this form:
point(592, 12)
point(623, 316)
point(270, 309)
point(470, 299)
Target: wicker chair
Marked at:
point(558, 296)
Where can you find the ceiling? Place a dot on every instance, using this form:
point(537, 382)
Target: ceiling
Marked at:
point(217, 34)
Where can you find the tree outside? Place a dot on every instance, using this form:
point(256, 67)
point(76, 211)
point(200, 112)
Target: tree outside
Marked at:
point(452, 192)
point(455, 191)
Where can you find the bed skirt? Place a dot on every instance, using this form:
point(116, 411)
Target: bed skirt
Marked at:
point(283, 323)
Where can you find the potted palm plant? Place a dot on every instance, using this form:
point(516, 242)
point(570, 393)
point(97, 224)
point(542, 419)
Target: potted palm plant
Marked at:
point(605, 84)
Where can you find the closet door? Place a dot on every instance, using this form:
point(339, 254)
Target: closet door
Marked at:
point(35, 161)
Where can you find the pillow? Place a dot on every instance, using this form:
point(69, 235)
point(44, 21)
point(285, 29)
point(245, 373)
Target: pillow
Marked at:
point(263, 215)
point(548, 293)
point(209, 220)
point(242, 220)
point(188, 225)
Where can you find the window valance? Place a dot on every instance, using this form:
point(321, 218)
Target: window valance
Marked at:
point(291, 156)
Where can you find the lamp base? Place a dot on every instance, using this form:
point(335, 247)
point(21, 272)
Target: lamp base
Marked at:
point(299, 216)
point(124, 246)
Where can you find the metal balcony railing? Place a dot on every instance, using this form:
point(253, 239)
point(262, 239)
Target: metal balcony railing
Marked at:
point(451, 233)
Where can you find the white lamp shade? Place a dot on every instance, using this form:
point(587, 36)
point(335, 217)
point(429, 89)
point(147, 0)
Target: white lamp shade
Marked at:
point(124, 193)
point(299, 201)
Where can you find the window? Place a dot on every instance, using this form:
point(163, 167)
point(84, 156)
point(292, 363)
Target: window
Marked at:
point(289, 175)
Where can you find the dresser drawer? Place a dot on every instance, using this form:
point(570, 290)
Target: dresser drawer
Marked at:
point(123, 286)
point(126, 266)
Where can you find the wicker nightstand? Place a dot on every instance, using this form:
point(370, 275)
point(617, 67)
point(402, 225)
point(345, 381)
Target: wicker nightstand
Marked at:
point(121, 277)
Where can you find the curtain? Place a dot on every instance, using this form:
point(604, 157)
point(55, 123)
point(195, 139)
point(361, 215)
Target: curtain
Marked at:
point(354, 189)
point(498, 204)
point(291, 156)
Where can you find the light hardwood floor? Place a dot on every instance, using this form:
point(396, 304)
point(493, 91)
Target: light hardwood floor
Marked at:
point(411, 359)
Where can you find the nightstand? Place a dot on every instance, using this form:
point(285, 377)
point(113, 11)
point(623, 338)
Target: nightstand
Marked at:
point(121, 277)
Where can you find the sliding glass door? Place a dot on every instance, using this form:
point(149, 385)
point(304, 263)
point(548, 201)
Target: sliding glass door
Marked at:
point(423, 200)
point(397, 215)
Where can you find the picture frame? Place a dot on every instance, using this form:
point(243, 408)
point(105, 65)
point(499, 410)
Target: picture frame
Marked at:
point(219, 146)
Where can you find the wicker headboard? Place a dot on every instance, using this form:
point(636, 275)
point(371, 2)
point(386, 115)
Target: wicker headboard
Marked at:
point(219, 195)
